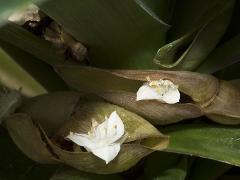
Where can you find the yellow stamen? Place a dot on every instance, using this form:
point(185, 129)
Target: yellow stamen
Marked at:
point(148, 78)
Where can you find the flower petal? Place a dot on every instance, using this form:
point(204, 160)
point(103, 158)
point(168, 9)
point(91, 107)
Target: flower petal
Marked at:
point(162, 90)
point(100, 131)
point(145, 92)
point(101, 139)
point(171, 97)
point(115, 128)
point(107, 153)
point(82, 140)
point(110, 130)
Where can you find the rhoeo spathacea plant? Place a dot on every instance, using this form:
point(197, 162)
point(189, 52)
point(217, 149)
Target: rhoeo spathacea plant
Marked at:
point(113, 138)
point(131, 89)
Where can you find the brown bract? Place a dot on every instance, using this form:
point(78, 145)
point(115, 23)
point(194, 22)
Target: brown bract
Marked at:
point(40, 126)
point(206, 94)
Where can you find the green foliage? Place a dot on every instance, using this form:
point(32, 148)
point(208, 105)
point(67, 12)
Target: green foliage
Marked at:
point(21, 38)
point(73, 174)
point(15, 165)
point(9, 102)
point(24, 72)
point(205, 140)
point(207, 169)
point(15, 77)
point(195, 35)
point(222, 57)
point(166, 166)
point(119, 34)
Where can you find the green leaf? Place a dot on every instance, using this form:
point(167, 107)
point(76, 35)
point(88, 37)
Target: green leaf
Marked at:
point(118, 34)
point(14, 76)
point(229, 177)
point(217, 142)
point(207, 169)
point(231, 72)
point(222, 57)
point(168, 53)
point(166, 166)
point(15, 165)
point(73, 174)
point(155, 9)
point(9, 101)
point(20, 70)
point(193, 14)
point(188, 51)
point(39, 48)
point(92, 79)
point(26, 136)
point(234, 26)
point(178, 172)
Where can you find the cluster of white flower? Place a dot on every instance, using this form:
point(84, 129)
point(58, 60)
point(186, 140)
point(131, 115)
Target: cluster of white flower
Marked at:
point(162, 90)
point(104, 140)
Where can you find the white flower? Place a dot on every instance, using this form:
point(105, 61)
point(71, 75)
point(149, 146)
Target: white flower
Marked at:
point(30, 13)
point(103, 140)
point(162, 90)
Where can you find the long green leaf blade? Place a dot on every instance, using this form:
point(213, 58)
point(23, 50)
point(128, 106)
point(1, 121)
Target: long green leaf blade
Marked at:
point(166, 166)
point(222, 57)
point(207, 169)
point(192, 14)
point(73, 174)
point(19, 37)
point(15, 77)
point(119, 34)
point(197, 43)
point(21, 71)
point(15, 165)
point(211, 141)
point(9, 101)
